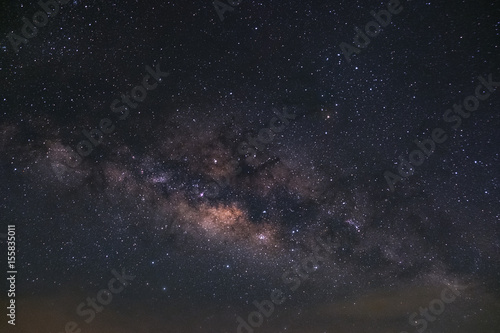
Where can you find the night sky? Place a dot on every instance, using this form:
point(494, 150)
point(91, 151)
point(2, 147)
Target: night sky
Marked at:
point(287, 147)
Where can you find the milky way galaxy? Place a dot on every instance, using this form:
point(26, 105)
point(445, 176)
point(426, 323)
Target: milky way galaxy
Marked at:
point(256, 166)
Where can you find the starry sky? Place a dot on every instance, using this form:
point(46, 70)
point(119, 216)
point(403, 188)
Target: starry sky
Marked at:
point(207, 221)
